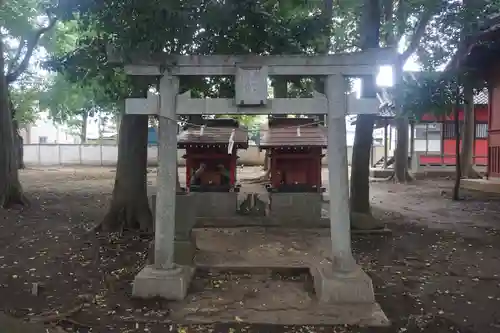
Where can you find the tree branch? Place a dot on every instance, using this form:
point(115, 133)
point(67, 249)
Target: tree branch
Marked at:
point(32, 43)
point(401, 18)
point(417, 35)
point(15, 60)
point(388, 6)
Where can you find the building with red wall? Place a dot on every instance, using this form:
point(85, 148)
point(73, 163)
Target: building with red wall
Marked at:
point(447, 143)
point(480, 58)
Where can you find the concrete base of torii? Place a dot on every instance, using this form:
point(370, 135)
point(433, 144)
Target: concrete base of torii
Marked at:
point(171, 284)
point(339, 288)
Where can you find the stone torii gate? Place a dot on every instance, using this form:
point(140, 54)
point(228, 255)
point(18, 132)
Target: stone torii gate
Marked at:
point(339, 281)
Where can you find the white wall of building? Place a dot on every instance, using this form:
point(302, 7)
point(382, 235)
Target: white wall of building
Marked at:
point(107, 155)
point(44, 130)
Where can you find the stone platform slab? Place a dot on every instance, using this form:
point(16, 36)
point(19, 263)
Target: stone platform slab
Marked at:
point(242, 254)
point(380, 173)
point(481, 185)
point(295, 208)
point(216, 204)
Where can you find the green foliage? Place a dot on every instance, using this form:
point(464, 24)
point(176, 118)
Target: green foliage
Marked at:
point(429, 92)
point(436, 92)
point(24, 96)
point(194, 27)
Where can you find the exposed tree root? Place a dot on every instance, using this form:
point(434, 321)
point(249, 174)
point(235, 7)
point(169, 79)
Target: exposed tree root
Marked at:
point(365, 221)
point(472, 174)
point(127, 216)
point(13, 196)
point(407, 178)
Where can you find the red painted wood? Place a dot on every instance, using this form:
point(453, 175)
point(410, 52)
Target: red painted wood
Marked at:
point(302, 167)
point(494, 128)
point(480, 112)
point(212, 156)
point(449, 158)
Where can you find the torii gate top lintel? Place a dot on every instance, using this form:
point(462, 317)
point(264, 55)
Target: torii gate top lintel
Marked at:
point(348, 64)
point(251, 73)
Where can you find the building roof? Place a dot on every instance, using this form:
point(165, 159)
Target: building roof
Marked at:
point(216, 132)
point(282, 132)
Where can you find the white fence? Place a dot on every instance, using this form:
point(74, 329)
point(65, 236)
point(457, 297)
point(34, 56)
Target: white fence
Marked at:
point(107, 155)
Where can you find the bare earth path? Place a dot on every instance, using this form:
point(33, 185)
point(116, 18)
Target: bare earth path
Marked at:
point(438, 272)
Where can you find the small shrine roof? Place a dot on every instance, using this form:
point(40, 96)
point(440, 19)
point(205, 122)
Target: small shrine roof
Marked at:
point(282, 132)
point(215, 132)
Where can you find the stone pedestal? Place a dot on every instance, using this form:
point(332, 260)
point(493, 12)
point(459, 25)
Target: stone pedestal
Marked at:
point(171, 284)
point(333, 288)
point(216, 204)
point(297, 209)
point(185, 219)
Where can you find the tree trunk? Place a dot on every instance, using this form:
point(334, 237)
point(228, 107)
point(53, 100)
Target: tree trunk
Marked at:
point(361, 217)
point(458, 171)
point(360, 165)
point(11, 192)
point(83, 133)
point(467, 168)
point(129, 208)
point(401, 174)
point(401, 155)
point(18, 142)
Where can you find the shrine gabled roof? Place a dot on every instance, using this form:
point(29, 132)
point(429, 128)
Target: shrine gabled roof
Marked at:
point(215, 132)
point(282, 132)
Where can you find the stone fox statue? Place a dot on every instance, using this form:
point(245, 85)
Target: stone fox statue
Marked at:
point(224, 174)
point(196, 179)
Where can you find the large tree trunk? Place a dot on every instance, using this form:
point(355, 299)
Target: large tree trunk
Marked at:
point(458, 171)
point(18, 140)
point(361, 217)
point(129, 208)
point(11, 192)
point(401, 155)
point(18, 143)
point(360, 165)
point(83, 133)
point(466, 158)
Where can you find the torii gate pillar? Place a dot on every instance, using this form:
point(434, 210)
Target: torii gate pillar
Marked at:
point(339, 281)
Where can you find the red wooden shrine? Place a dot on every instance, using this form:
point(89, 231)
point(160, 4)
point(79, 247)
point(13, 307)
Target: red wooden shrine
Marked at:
point(294, 154)
point(209, 145)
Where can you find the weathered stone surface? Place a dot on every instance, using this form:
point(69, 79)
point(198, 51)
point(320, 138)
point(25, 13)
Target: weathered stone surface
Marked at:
point(381, 173)
point(184, 252)
point(170, 284)
point(296, 208)
point(332, 288)
point(216, 204)
point(185, 214)
point(185, 242)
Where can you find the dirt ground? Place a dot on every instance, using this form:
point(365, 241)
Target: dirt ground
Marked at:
point(437, 272)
